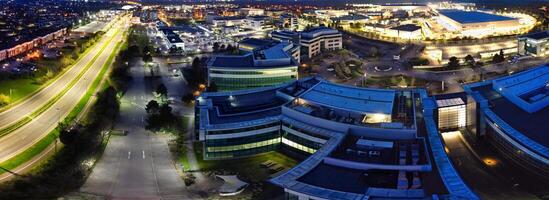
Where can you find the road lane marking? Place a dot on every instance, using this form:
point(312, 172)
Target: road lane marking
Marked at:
point(129, 154)
point(143, 154)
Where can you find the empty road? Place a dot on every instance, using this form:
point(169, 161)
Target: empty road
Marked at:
point(139, 165)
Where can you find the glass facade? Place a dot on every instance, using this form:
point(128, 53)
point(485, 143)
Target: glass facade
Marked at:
point(241, 146)
point(259, 143)
point(230, 131)
point(452, 117)
point(295, 142)
point(513, 153)
point(228, 84)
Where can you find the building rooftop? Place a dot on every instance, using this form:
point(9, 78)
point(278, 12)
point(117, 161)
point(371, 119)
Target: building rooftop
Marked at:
point(229, 18)
point(260, 54)
point(172, 36)
point(254, 43)
point(352, 98)
point(246, 61)
point(351, 18)
point(349, 180)
point(318, 31)
point(467, 17)
point(537, 36)
point(509, 109)
point(407, 27)
point(234, 107)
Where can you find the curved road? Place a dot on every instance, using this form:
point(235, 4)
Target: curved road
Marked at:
point(35, 101)
point(24, 137)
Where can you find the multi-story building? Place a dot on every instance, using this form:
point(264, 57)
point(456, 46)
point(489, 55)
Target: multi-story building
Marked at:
point(475, 23)
point(27, 46)
point(228, 21)
point(289, 21)
point(512, 114)
point(256, 22)
point(265, 63)
point(312, 41)
point(358, 143)
point(172, 39)
point(251, 11)
point(535, 44)
point(406, 31)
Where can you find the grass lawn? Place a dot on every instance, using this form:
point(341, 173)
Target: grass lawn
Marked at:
point(247, 168)
point(20, 87)
point(183, 151)
point(41, 145)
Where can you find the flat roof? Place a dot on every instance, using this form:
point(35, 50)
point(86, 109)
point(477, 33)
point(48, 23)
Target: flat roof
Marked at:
point(407, 27)
point(450, 102)
point(351, 17)
point(263, 54)
point(532, 125)
point(467, 17)
point(241, 107)
point(172, 36)
point(537, 35)
point(254, 42)
point(349, 180)
point(246, 61)
point(352, 98)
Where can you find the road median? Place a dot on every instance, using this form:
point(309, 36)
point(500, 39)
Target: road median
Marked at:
point(19, 123)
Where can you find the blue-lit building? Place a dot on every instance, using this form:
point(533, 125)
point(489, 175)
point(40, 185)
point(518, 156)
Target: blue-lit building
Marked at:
point(535, 44)
point(359, 143)
point(512, 113)
point(263, 63)
point(313, 41)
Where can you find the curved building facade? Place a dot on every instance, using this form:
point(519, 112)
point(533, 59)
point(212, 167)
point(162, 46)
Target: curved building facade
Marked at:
point(512, 113)
point(265, 63)
point(359, 143)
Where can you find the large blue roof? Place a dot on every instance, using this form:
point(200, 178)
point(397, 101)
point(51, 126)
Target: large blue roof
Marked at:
point(467, 17)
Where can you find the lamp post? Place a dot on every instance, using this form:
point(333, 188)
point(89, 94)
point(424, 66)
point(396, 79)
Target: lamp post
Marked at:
point(11, 91)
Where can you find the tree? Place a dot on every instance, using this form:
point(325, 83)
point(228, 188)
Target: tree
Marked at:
point(106, 107)
point(501, 55)
point(187, 98)
point(69, 135)
point(469, 59)
point(497, 58)
point(230, 49)
point(162, 92)
point(4, 100)
point(454, 62)
point(165, 112)
point(215, 46)
point(147, 57)
point(152, 107)
point(198, 71)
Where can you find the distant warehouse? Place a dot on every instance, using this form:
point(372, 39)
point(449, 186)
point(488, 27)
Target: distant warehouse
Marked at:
point(472, 22)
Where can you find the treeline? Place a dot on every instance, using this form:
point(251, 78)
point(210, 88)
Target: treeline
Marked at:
point(196, 77)
point(138, 45)
point(67, 170)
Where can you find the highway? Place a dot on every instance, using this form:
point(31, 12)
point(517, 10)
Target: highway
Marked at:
point(24, 137)
point(35, 101)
